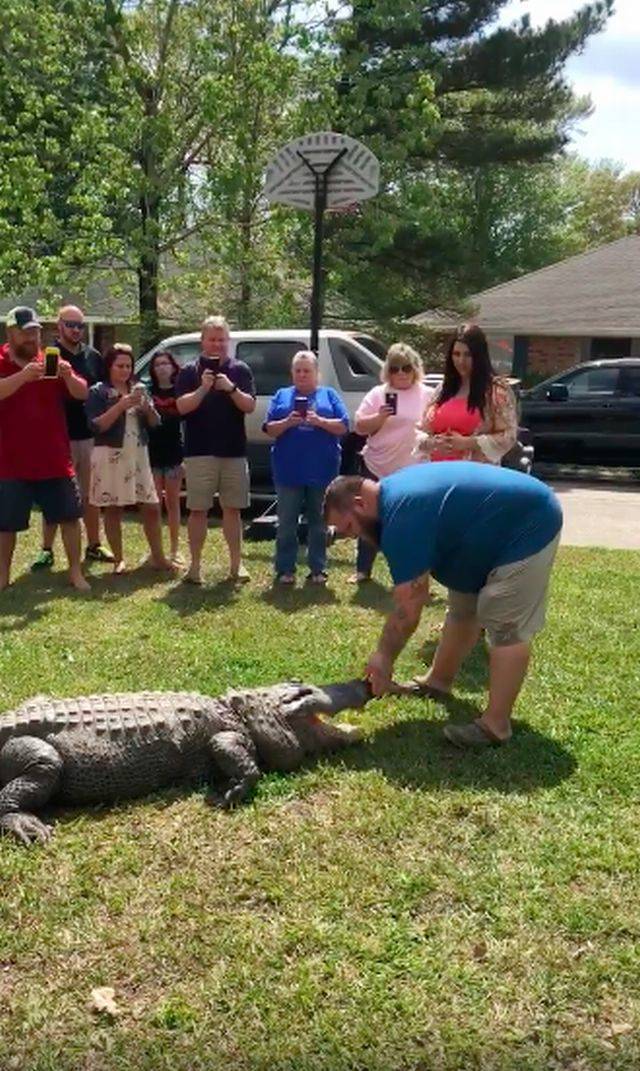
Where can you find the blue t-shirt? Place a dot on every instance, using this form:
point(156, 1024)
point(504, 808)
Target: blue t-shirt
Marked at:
point(305, 456)
point(458, 520)
point(216, 428)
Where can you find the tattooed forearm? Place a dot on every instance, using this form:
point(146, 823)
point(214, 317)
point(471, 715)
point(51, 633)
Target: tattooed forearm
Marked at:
point(403, 620)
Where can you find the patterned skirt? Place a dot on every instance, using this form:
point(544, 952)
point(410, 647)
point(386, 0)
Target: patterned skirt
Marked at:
point(121, 476)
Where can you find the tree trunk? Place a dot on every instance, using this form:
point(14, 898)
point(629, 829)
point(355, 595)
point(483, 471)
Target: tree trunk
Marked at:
point(148, 271)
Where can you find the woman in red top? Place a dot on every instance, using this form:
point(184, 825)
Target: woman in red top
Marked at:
point(473, 416)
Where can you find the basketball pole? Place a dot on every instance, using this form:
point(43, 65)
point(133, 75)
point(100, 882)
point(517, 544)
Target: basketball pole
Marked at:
point(321, 181)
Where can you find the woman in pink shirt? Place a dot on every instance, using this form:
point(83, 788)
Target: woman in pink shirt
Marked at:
point(388, 416)
point(473, 416)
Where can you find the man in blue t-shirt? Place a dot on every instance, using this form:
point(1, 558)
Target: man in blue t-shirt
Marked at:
point(214, 394)
point(306, 421)
point(490, 536)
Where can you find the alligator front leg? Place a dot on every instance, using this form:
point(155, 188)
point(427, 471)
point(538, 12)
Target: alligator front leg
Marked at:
point(234, 757)
point(30, 772)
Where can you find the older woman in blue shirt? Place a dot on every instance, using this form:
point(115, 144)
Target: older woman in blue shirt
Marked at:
point(306, 421)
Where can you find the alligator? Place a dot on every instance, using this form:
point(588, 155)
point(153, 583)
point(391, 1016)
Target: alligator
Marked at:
point(104, 748)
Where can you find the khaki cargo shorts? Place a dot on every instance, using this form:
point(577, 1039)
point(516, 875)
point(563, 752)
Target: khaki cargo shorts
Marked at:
point(227, 477)
point(511, 605)
point(81, 450)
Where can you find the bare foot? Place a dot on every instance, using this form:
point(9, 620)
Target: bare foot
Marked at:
point(162, 564)
point(78, 582)
point(120, 568)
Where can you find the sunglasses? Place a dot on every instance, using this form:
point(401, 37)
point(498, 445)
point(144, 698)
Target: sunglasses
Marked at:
point(401, 368)
point(76, 325)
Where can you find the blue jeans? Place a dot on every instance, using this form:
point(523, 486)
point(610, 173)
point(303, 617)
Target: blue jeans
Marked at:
point(292, 501)
point(366, 552)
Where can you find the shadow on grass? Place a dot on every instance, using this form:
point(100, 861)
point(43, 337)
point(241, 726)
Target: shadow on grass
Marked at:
point(27, 598)
point(372, 595)
point(292, 599)
point(416, 755)
point(186, 599)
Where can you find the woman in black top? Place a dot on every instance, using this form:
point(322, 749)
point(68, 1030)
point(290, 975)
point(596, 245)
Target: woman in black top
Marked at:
point(165, 444)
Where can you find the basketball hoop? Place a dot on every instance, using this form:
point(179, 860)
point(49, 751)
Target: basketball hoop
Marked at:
point(324, 172)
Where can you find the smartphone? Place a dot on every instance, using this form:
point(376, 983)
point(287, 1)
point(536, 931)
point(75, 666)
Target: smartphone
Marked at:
point(212, 364)
point(51, 359)
point(301, 405)
point(391, 399)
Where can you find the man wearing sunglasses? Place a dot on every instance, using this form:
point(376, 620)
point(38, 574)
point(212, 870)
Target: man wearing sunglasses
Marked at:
point(87, 363)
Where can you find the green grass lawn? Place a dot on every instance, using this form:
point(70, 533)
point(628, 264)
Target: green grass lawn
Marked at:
point(399, 907)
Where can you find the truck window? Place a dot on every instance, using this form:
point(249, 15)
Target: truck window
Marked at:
point(357, 369)
point(270, 362)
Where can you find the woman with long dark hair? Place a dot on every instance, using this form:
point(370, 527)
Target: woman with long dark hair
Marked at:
point(120, 413)
point(165, 444)
point(473, 416)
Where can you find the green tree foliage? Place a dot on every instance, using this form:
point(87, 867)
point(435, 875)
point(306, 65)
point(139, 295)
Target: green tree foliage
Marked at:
point(137, 132)
point(455, 108)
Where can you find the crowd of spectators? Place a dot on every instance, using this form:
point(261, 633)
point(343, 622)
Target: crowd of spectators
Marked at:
point(87, 441)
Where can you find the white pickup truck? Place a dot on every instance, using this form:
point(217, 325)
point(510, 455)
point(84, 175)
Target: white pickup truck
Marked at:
point(347, 361)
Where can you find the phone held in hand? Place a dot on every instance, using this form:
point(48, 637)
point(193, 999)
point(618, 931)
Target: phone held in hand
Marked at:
point(301, 405)
point(211, 364)
point(391, 399)
point(51, 362)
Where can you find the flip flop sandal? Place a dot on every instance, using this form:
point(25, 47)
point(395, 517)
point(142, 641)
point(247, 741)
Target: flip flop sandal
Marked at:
point(472, 735)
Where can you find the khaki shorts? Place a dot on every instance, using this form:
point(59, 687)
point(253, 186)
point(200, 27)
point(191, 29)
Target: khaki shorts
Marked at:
point(227, 477)
point(81, 457)
point(511, 605)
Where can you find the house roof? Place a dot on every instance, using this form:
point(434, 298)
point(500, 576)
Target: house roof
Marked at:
point(594, 294)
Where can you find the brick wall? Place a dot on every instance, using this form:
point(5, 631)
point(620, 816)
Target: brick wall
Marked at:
point(548, 355)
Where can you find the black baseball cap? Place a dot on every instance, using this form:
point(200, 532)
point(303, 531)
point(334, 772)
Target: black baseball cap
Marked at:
point(23, 317)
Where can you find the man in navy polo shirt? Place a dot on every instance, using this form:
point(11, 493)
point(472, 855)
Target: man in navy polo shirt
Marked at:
point(214, 393)
point(489, 535)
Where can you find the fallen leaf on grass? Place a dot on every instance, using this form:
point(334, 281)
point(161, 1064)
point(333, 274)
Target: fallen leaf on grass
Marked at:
point(103, 1001)
point(479, 950)
point(617, 1029)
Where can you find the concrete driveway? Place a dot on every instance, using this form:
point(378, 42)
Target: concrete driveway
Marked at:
point(597, 515)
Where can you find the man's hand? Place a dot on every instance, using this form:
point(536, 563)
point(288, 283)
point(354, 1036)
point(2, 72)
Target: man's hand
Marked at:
point(208, 380)
point(65, 371)
point(32, 371)
point(378, 672)
point(295, 418)
point(223, 383)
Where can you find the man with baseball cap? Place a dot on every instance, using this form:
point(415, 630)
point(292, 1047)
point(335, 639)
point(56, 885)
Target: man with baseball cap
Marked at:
point(35, 456)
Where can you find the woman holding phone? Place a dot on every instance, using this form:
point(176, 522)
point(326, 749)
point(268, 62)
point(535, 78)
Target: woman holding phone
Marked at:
point(121, 414)
point(306, 422)
point(473, 415)
point(388, 415)
point(166, 450)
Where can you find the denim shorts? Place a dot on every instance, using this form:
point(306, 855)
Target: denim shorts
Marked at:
point(168, 472)
point(59, 499)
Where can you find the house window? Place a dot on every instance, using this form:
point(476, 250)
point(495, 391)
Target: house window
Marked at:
point(602, 348)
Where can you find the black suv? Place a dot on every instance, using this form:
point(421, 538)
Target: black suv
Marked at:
point(589, 414)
